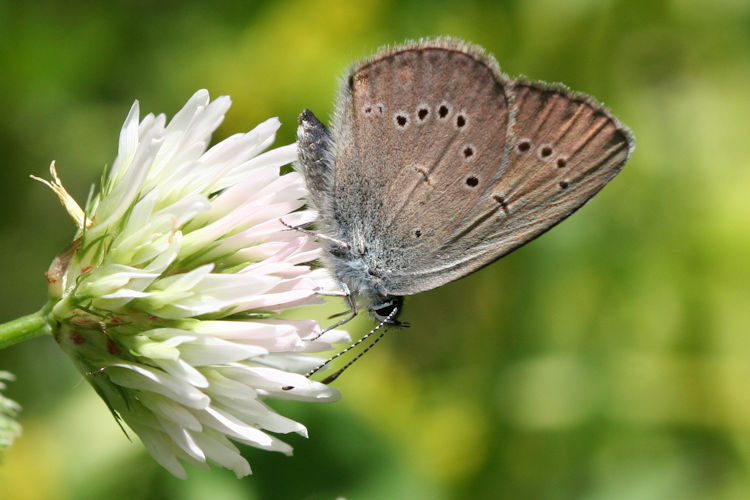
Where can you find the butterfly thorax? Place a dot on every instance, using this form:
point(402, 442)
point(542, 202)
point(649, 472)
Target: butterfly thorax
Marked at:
point(361, 277)
point(348, 248)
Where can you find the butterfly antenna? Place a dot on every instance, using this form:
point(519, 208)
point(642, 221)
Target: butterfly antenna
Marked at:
point(341, 370)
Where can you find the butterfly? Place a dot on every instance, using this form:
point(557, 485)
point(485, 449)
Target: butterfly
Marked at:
point(437, 164)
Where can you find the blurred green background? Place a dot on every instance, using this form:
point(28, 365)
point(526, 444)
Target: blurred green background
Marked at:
point(609, 359)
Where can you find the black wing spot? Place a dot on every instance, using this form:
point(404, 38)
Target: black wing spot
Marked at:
point(417, 233)
point(380, 109)
point(545, 151)
point(443, 111)
point(524, 145)
point(472, 181)
point(562, 162)
point(422, 113)
point(401, 120)
point(468, 151)
point(564, 184)
point(460, 121)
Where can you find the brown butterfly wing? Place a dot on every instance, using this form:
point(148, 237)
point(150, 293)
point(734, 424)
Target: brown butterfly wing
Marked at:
point(424, 120)
point(564, 149)
point(431, 197)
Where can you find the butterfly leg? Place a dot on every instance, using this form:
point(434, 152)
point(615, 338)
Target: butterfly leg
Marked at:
point(315, 235)
point(351, 312)
point(339, 293)
point(337, 315)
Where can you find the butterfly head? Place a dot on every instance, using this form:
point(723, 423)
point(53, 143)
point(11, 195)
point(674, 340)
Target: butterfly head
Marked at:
point(387, 310)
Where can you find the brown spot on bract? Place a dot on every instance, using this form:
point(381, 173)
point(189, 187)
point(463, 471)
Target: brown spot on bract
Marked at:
point(113, 348)
point(77, 338)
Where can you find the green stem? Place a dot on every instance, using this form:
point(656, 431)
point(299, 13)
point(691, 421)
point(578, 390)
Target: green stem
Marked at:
point(25, 327)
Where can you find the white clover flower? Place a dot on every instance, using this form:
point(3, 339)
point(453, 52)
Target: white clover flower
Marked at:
point(168, 298)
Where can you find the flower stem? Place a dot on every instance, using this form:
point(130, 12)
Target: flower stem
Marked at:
point(25, 327)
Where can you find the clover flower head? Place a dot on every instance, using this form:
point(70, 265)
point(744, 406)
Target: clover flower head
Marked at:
point(169, 297)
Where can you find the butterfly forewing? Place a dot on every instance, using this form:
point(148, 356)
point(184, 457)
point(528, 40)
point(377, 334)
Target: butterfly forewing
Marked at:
point(434, 119)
